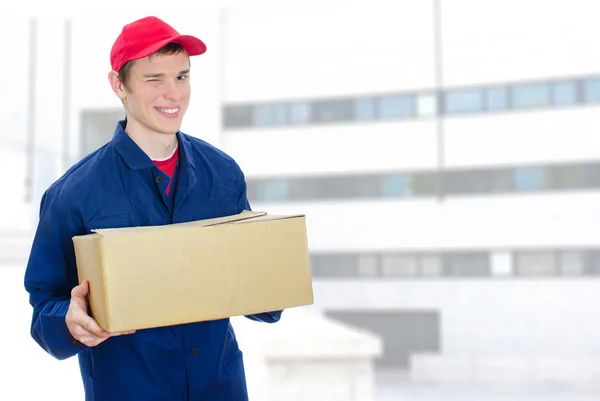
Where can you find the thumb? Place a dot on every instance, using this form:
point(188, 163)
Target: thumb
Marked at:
point(81, 290)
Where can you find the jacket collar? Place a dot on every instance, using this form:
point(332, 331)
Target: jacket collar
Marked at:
point(134, 156)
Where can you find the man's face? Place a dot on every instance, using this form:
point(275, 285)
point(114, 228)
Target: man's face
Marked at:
point(157, 93)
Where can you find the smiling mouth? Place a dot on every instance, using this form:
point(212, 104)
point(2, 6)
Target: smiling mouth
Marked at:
point(168, 111)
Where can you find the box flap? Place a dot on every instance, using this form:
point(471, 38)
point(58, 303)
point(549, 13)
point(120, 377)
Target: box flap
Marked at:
point(266, 217)
point(245, 215)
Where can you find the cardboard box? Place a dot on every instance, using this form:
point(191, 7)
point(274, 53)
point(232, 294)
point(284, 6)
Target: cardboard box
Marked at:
point(142, 277)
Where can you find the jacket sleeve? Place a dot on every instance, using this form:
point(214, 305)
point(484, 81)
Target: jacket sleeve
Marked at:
point(243, 204)
point(51, 273)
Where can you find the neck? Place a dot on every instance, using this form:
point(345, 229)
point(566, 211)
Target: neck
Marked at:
point(156, 145)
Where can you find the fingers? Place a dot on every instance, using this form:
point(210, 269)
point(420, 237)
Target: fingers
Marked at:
point(78, 315)
point(92, 327)
point(86, 331)
point(81, 290)
point(122, 333)
point(83, 327)
point(92, 341)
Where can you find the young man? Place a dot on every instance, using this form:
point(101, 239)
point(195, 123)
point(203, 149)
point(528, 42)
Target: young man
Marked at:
point(149, 174)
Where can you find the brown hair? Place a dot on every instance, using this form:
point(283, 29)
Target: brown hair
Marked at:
point(168, 49)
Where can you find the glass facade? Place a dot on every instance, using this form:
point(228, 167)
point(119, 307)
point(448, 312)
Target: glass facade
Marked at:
point(419, 104)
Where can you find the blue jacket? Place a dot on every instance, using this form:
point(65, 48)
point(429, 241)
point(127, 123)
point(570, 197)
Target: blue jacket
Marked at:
point(117, 186)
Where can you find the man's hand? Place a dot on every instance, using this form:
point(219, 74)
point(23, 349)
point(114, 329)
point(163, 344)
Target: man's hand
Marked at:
point(82, 327)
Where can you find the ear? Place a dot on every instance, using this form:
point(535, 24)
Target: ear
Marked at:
point(116, 84)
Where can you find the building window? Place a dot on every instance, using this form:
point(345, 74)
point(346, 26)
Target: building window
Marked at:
point(530, 96)
point(339, 187)
point(424, 184)
point(275, 190)
point(431, 266)
point(496, 99)
point(458, 102)
point(529, 178)
point(299, 113)
point(468, 182)
point(535, 263)
point(267, 115)
point(592, 90)
point(478, 182)
point(408, 105)
point(426, 105)
point(396, 107)
point(396, 185)
point(333, 111)
point(501, 264)
point(400, 266)
point(593, 265)
point(572, 263)
point(345, 265)
point(334, 265)
point(237, 116)
point(590, 175)
point(367, 186)
point(97, 128)
point(304, 188)
point(367, 266)
point(564, 177)
point(364, 109)
point(564, 93)
point(473, 264)
point(253, 190)
point(501, 181)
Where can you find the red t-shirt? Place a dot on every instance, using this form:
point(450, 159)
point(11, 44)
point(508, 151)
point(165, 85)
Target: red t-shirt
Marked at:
point(168, 165)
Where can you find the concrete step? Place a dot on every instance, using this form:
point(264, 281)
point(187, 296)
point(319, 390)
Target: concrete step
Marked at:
point(581, 370)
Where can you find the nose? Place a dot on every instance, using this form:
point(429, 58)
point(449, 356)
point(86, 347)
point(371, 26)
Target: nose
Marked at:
point(172, 91)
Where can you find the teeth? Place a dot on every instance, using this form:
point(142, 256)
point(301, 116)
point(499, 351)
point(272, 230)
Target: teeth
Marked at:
point(169, 111)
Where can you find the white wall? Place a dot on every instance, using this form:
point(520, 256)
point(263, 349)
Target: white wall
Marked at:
point(335, 149)
point(495, 41)
point(569, 219)
point(296, 52)
point(523, 137)
point(14, 213)
point(330, 49)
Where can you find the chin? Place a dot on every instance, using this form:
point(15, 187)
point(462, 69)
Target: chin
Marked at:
point(169, 129)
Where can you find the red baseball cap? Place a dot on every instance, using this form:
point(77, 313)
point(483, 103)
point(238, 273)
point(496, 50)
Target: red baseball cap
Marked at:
point(145, 36)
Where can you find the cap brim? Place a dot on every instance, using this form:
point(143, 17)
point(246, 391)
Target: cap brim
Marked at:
point(192, 45)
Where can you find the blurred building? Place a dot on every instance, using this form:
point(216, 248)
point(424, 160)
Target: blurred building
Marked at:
point(447, 158)
point(445, 153)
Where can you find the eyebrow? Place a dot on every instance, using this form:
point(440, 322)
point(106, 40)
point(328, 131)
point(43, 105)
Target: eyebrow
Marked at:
point(159, 75)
